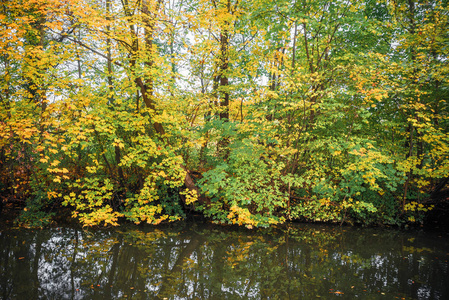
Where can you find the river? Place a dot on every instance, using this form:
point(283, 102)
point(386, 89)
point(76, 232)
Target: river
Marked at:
point(187, 260)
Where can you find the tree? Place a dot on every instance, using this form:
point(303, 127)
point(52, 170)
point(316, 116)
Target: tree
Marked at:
point(251, 112)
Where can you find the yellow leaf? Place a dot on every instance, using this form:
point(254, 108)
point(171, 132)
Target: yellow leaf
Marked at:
point(55, 163)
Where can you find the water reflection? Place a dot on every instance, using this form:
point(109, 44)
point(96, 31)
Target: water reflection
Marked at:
point(188, 261)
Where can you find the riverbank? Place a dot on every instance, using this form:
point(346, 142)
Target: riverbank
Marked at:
point(437, 219)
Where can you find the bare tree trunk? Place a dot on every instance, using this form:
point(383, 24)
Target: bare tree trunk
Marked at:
point(223, 80)
point(121, 176)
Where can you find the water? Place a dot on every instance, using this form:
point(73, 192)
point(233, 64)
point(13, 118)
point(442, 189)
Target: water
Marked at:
point(200, 261)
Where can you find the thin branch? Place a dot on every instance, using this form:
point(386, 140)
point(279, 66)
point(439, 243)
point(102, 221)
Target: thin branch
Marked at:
point(95, 51)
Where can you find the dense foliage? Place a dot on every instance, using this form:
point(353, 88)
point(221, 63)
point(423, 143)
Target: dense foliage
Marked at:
point(249, 112)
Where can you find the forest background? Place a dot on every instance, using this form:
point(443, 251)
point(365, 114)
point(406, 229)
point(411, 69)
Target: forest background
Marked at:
point(249, 112)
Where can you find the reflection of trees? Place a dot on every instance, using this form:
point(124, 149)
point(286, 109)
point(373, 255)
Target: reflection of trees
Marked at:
point(206, 262)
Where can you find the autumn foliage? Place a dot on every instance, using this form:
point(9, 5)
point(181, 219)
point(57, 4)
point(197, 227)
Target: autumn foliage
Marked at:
point(249, 112)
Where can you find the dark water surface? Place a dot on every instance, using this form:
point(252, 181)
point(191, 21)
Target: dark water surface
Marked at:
point(200, 261)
